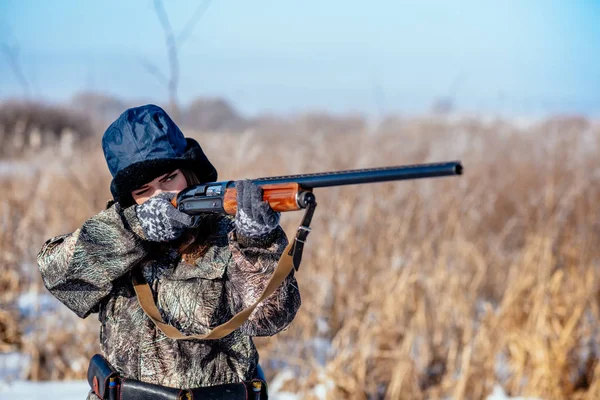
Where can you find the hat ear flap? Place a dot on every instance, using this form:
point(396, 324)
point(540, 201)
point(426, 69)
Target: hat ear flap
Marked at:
point(120, 193)
point(201, 166)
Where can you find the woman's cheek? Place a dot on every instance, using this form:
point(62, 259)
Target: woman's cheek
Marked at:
point(141, 199)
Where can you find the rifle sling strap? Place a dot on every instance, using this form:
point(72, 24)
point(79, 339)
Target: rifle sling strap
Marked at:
point(290, 259)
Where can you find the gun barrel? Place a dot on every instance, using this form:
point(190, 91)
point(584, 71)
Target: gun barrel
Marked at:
point(282, 192)
point(368, 175)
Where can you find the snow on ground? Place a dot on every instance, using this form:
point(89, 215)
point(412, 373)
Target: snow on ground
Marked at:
point(13, 366)
point(77, 390)
point(67, 390)
point(14, 386)
point(498, 394)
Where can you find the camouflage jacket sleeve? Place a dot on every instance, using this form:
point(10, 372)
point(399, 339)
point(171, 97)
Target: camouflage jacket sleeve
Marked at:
point(79, 268)
point(253, 264)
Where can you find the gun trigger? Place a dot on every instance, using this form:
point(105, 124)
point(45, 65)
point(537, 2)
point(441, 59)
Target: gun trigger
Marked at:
point(196, 221)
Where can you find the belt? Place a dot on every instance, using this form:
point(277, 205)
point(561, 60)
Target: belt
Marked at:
point(108, 385)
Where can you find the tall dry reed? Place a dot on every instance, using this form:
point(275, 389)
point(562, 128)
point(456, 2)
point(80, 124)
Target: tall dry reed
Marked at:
point(424, 289)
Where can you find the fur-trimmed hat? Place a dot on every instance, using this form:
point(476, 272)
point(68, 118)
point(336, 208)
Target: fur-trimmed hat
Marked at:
point(143, 144)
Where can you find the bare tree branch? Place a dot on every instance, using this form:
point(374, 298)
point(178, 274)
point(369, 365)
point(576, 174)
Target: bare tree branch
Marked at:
point(378, 95)
point(153, 70)
point(172, 54)
point(12, 57)
point(192, 22)
point(173, 45)
point(455, 85)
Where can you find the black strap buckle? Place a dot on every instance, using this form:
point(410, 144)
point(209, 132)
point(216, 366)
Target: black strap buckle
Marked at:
point(309, 202)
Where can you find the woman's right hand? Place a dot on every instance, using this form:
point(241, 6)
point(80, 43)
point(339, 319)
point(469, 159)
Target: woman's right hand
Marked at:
point(160, 221)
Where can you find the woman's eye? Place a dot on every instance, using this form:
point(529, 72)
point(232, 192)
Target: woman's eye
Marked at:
point(170, 177)
point(141, 193)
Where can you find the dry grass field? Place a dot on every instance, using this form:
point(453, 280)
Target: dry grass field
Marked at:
point(430, 289)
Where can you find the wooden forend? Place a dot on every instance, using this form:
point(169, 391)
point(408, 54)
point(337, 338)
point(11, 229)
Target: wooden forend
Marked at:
point(281, 197)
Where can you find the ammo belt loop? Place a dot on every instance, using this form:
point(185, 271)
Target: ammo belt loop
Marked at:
point(290, 259)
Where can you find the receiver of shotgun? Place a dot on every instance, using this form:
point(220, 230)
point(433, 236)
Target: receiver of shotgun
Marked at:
point(294, 192)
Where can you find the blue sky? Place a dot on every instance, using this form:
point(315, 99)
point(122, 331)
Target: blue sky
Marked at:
point(520, 57)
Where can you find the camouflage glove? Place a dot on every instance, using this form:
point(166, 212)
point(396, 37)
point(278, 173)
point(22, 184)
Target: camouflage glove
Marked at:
point(160, 221)
point(254, 217)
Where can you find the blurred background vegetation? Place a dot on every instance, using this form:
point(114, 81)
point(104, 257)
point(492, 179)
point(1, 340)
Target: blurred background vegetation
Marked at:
point(441, 288)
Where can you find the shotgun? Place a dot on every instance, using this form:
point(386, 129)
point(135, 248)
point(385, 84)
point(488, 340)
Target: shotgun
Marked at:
point(284, 193)
point(294, 192)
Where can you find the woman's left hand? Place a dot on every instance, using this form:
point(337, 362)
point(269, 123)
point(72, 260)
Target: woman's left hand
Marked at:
point(254, 217)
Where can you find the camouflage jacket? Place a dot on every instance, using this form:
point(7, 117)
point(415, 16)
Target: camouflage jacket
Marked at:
point(198, 283)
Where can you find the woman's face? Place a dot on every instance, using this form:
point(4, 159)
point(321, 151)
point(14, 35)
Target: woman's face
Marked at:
point(173, 182)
